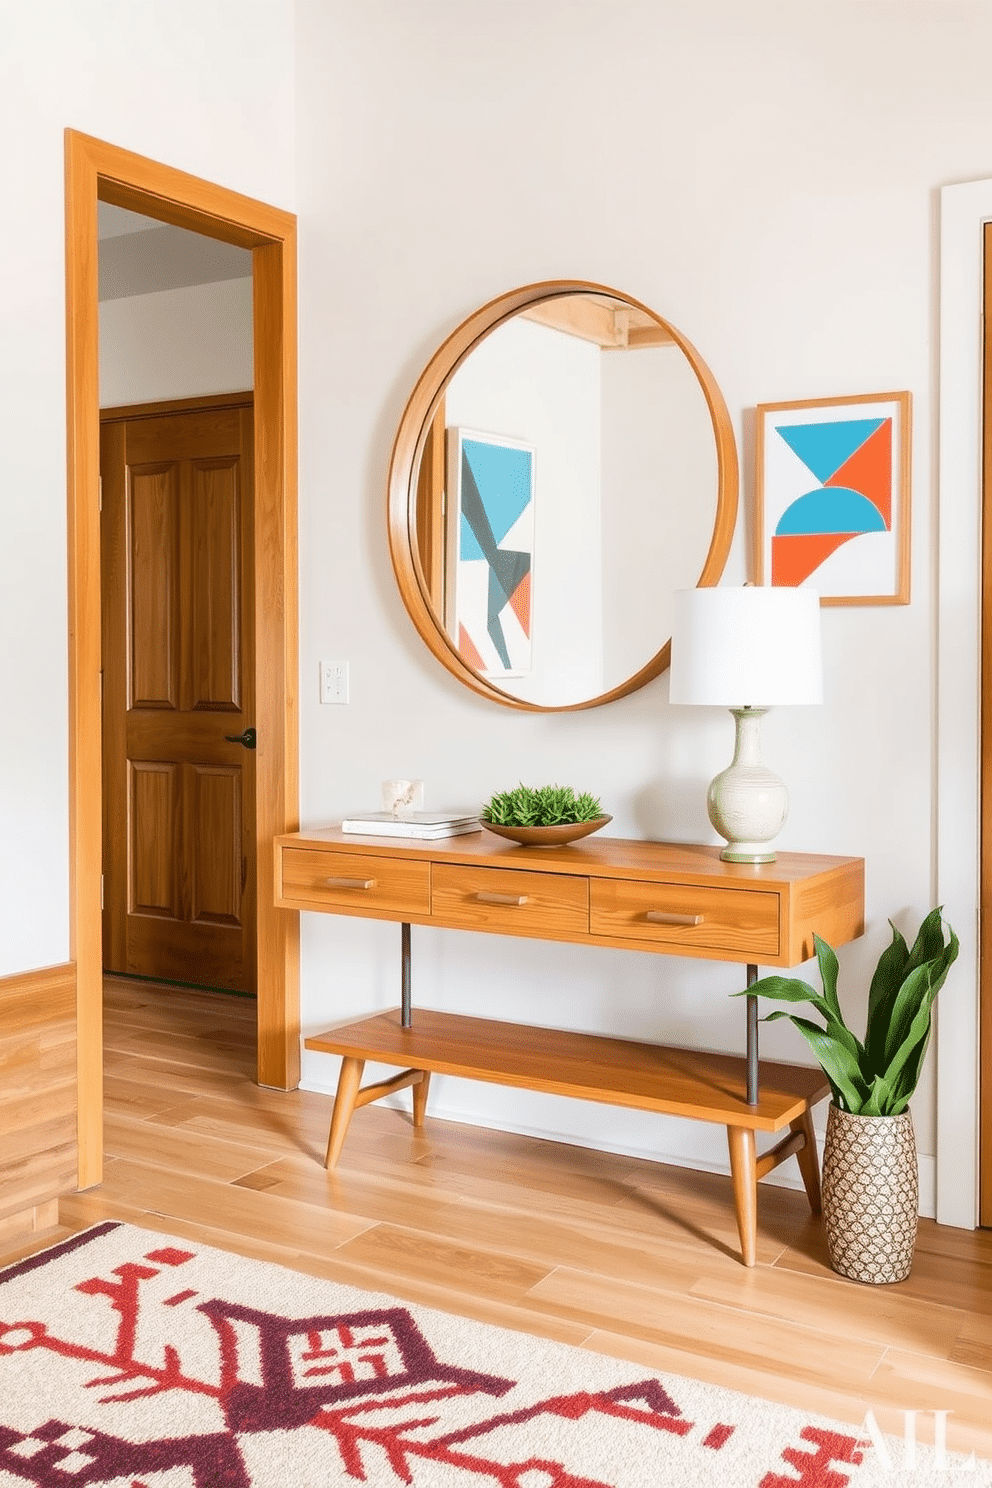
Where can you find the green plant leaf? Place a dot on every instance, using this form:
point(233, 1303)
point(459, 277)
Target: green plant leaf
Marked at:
point(876, 1078)
point(880, 1099)
point(587, 807)
point(793, 989)
point(903, 1087)
point(785, 989)
point(835, 1090)
point(895, 966)
point(885, 984)
point(904, 1070)
point(835, 1059)
point(906, 1066)
point(929, 943)
point(911, 997)
point(827, 962)
point(905, 1081)
point(540, 806)
point(920, 985)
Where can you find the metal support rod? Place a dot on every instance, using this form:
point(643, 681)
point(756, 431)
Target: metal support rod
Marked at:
point(752, 1039)
point(406, 1018)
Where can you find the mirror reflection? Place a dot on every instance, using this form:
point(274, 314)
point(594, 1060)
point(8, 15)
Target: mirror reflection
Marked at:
point(574, 466)
point(566, 485)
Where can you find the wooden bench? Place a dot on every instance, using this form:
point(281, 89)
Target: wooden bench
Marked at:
point(620, 1072)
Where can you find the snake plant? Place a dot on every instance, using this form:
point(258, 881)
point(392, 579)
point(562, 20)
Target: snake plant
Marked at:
point(877, 1075)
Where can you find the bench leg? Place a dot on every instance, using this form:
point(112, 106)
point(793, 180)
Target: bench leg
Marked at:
point(344, 1106)
point(420, 1098)
point(743, 1168)
point(809, 1164)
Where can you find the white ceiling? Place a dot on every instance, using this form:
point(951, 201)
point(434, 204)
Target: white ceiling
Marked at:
point(113, 222)
point(139, 256)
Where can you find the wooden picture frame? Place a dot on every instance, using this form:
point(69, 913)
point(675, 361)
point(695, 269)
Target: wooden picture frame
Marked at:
point(832, 497)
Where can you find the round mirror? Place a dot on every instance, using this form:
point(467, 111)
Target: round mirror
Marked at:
point(565, 463)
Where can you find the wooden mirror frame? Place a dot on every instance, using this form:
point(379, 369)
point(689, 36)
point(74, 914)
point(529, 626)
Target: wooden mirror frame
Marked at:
point(408, 449)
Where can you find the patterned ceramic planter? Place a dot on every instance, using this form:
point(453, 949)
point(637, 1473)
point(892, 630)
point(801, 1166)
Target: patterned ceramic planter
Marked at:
point(870, 1195)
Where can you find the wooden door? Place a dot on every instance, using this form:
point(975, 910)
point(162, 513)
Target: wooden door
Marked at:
point(178, 685)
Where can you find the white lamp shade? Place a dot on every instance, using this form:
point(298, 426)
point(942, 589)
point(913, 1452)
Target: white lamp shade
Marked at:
point(746, 647)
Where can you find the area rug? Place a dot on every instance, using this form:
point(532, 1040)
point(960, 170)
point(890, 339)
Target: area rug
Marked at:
point(135, 1360)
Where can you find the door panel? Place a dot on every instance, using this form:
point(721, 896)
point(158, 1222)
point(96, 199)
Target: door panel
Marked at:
point(153, 802)
point(214, 600)
point(153, 586)
point(178, 627)
point(216, 857)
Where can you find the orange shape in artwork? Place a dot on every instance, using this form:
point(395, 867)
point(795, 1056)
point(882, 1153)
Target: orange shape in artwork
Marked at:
point(467, 651)
point(520, 603)
point(869, 470)
point(794, 557)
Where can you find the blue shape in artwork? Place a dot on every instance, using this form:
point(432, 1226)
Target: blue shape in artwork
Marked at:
point(502, 478)
point(830, 509)
point(824, 448)
point(469, 546)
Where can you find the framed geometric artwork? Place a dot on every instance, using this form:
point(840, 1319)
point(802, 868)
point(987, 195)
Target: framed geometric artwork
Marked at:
point(832, 497)
point(489, 551)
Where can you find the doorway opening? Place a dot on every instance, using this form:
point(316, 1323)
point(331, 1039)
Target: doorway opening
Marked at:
point(96, 171)
point(177, 600)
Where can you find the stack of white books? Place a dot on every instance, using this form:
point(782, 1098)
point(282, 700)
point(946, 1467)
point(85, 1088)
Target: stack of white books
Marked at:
point(424, 825)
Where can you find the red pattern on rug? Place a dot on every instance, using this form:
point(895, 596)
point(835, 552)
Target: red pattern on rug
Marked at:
point(814, 1468)
point(366, 1382)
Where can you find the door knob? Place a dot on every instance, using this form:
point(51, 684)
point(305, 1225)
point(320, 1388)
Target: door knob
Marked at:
point(248, 738)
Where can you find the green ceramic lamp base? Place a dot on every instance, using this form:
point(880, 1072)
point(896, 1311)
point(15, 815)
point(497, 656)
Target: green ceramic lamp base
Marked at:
point(739, 852)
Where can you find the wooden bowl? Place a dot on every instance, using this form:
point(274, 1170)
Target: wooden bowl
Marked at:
point(548, 836)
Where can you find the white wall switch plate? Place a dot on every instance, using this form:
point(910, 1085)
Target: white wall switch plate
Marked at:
point(334, 682)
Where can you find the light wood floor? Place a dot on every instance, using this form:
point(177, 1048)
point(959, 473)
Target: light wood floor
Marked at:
point(614, 1254)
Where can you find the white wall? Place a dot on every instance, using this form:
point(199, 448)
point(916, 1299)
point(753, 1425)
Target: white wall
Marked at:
point(659, 498)
point(176, 343)
point(205, 85)
point(765, 177)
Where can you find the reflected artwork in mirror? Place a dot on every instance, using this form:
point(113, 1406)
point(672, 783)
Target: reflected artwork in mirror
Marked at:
point(565, 463)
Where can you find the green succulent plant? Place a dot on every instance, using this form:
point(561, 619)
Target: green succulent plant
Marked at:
point(541, 806)
point(877, 1075)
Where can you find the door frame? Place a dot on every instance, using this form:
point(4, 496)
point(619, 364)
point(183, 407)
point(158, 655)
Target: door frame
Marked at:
point(985, 766)
point(95, 170)
point(965, 208)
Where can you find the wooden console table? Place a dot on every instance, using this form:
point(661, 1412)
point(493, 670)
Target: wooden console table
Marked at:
point(667, 898)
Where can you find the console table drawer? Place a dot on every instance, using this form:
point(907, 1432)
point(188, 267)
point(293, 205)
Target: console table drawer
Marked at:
point(507, 902)
point(363, 883)
point(673, 915)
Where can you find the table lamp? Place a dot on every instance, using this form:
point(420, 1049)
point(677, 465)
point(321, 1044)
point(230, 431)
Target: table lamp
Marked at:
point(747, 649)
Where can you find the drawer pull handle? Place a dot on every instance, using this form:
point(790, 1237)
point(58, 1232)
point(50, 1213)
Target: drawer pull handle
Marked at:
point(662, 917)
point(487, 898)
point(350, 883)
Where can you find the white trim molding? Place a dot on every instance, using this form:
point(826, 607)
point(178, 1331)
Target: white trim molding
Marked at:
point(964, 210)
